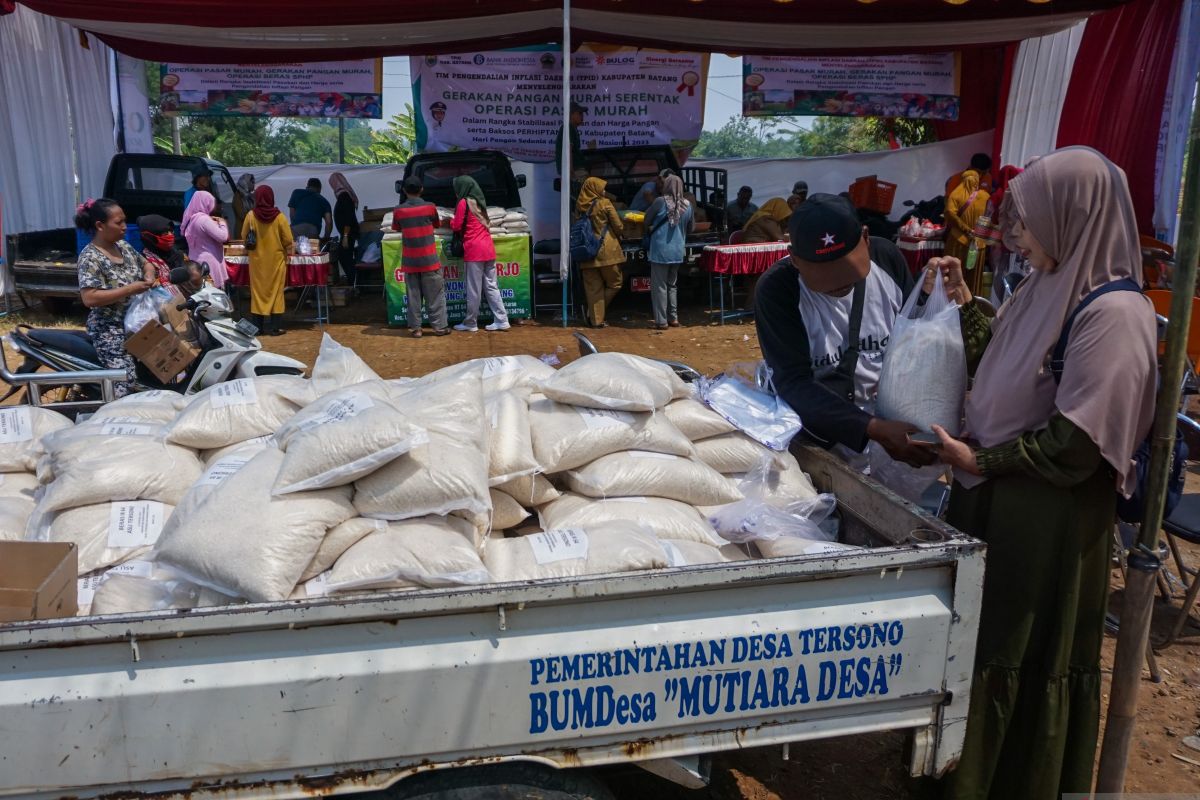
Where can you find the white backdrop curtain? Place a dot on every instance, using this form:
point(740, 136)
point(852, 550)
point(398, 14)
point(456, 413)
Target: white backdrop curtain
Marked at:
point(57, 115)
point(1041, 73)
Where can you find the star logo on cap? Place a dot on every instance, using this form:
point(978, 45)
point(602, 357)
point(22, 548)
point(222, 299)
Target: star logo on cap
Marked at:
point(827, 239)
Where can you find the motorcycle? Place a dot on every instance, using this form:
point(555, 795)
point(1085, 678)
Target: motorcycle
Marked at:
point(229, 350)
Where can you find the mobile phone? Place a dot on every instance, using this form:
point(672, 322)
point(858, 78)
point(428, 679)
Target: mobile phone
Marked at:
point(925, 439)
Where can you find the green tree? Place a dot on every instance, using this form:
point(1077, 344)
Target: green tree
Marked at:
point(393, 145)
point(743, 137)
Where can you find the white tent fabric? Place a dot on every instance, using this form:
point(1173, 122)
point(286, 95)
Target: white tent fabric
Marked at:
point(1041, 73)
point(1172, 143)
point(135, 107)
point(919, 172)
point(56, 116)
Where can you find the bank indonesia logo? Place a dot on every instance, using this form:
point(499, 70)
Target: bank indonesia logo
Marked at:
point(431, 61)
point(547, 60)
point(479, 59)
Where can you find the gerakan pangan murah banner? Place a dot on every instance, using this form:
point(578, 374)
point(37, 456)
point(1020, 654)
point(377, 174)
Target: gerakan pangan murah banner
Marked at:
point(923, 86)
point(511, 100)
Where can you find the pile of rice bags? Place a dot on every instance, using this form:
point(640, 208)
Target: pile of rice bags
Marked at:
point(280, 487)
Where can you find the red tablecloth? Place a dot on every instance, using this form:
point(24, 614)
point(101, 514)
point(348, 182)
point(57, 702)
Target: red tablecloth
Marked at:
point(741, 259)
point(917, 252)
point(301, 270)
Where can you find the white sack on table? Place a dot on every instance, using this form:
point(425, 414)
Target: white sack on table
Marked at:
point(638, 473)
point(21, 428)
point(239, 410)
point(243, 541)
point(566, 436)
point(601, 548)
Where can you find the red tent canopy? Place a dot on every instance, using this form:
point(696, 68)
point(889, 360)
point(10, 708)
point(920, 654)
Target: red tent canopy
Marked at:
point(225, 31)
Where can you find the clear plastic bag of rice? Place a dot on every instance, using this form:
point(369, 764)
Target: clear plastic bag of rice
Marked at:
point(337, 366)
point(106, 534)
point(572, 552)
point(157, 405)
point(638, 473)
point(428, 551)
point(667, 519)
point(566, 436)
point(615, 381)
point(21, 428)
point(696, 420)
point(239, 410)
point(510, 447)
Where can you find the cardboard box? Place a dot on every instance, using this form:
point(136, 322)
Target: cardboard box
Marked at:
point(179, 321)
point(161, 350)
point(37, 580)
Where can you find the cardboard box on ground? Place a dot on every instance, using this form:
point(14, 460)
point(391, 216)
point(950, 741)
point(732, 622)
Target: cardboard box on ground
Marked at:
point(166, 347)
point(37, 580)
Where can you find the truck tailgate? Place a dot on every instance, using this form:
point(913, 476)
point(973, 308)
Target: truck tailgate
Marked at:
point(340, 695)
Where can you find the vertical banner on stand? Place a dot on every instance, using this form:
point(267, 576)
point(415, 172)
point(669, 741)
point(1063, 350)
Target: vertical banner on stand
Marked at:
point(514, 273)
point(511, 100)
point(924, 86)
point(135, 105)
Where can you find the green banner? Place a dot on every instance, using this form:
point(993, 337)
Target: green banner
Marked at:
point(514, 272)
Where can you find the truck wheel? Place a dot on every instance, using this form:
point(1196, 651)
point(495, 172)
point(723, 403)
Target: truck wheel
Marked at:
point(517, 781)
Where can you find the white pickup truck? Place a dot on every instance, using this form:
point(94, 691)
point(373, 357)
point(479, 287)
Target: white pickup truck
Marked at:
point(508, 690)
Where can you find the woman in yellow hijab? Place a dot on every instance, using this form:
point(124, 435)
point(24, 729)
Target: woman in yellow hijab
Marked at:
point(602, 275)
point(964, 207)
point(767, 224)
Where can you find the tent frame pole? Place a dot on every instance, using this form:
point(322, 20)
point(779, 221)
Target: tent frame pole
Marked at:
point(1143, 560)
point(564, 181)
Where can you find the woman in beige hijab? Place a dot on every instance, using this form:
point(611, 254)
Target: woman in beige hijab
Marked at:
point(1038, 476)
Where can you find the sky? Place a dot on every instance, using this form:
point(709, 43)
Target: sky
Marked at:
point(723, 99)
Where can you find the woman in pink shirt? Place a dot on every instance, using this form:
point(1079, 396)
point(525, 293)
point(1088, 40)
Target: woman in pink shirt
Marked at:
point(479, 253)
point(205, 234)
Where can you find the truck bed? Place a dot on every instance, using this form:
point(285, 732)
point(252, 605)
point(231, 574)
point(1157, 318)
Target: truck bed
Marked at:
point(341, 695)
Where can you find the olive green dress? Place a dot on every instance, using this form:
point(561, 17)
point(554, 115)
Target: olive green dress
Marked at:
point(1046, 512)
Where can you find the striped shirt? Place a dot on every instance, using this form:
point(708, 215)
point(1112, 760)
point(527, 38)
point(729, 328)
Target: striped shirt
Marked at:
point(416, 219)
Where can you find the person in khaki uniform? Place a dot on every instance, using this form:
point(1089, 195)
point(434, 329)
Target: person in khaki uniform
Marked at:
point(602, 275)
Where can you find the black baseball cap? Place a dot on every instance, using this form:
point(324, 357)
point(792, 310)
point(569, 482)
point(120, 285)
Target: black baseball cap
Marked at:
point(825, 228)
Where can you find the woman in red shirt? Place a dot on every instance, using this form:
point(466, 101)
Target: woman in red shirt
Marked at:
point(479, 255)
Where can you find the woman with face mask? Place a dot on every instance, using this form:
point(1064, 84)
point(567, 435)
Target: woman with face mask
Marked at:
point(1050, 447)
point(158, 246)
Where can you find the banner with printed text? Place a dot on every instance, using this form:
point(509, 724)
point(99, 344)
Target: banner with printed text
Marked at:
point(511, 100)
point(922, 86)
point(514, 273)
point(332, 89)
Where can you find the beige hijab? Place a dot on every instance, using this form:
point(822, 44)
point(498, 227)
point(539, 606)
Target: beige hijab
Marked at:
point(1076, 203)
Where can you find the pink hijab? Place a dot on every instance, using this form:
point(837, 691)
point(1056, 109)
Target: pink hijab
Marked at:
point(1076, 203)
point(202, 205)
point(339, 184)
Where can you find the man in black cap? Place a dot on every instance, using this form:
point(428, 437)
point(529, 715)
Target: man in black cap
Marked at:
point(202, 182)
point(824, 317)
point(800, 189)
point(576, 119)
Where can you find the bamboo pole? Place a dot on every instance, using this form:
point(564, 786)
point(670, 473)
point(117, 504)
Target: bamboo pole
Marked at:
point(1144, 562)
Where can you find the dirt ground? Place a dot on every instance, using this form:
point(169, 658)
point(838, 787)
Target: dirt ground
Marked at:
point(864, 767)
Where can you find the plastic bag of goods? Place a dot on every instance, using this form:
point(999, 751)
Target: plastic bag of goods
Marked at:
point(687, 553)
point(238, 410)
point(157, 406)
point(638, 473)
point(753, 520)
point(144, 307)
point(530, 491)
point(506, 512)
point(757, 412)
point(667, 519)
point(924, 376)
point(615, 381)
point(337, 367)
point(345, 435)
point(566, 436)
point(510, 448)
point(113, 460)
point(777, 480)
point(242, 540)
point(105, 534)
point(16, 503)
point(697, 421)
point(499, 373)
point(339, 540)
point(437, 478)
point(428, 552)
point(571, 552)
point(142, 586)
point(21, 428)
point(732, 452)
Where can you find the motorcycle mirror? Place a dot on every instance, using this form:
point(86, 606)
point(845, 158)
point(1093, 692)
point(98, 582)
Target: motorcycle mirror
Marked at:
point(909, 203)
